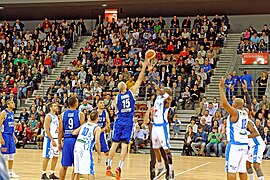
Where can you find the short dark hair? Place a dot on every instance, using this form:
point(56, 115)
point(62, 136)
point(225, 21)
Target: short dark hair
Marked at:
point(200, 126)
point(72, 101)
point(51, 104)
point(100, 99)
point(93, 115)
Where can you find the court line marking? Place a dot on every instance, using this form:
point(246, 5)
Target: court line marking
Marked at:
point(191, 169)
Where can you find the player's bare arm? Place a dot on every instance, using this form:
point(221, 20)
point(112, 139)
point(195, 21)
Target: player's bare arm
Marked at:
point(251, 128)
point(107, 123)
point(48, 120)
point(60, 132)
point(147, 114)
point(97, 142)
point(231, 110)
point(140, 78)
point(76, 131)
point(2, 117)
point(82, 118)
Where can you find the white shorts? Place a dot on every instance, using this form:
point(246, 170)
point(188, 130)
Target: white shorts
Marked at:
point(161, 137)
point(83, 161)
point(50, 151)
point(255, 154)
point(236, 157)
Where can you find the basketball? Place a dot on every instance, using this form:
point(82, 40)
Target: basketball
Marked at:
point(150, 54)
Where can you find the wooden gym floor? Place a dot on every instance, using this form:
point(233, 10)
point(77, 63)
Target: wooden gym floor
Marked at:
point(28, 164)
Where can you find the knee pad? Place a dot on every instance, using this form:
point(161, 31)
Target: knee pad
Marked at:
point(11, 157)
point(250, 171)
point(259, 172)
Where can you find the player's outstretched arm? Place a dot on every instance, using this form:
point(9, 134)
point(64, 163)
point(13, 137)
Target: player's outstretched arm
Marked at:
point(107, 122)
point(140, 78)
point(252, 129)
point(223, 100)
point(2, 117)
point(97, 142)
point(76, 131)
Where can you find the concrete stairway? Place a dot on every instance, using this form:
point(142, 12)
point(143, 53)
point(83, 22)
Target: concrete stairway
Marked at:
point(55, 72)
point(222, 66)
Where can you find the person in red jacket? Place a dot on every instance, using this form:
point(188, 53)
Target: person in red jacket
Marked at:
point(48, 63)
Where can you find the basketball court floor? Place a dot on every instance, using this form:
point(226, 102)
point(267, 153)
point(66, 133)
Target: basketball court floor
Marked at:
point(28, 165)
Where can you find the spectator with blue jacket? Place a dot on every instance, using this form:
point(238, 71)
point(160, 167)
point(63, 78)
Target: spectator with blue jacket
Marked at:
point(200, 140)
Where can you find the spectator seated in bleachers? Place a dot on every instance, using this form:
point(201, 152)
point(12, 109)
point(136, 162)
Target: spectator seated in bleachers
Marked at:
point(253, 41)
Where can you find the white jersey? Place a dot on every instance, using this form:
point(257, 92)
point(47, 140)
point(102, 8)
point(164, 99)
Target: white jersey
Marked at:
point(257, 141)
point(237, 131)
point(54, 126)
point(86, 137)
point(160, 113)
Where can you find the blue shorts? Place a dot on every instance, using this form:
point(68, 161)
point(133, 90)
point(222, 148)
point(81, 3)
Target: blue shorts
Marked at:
point(9, 146)
point(103, 143)
point(68, 152)
point(122, 131)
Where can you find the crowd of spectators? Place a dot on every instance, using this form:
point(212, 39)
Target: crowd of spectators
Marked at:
point(207, 128)
point(26, 58)
point(253, 41)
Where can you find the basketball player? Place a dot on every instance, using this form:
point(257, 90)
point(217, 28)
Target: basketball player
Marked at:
point(237, 125)
point(70, 120)
point(50, 148)
point(103, 123)
point(148, 121)
point(123, 125)
point(89, 134)
point(256, 145)
point(160, 131)
point(7, 136)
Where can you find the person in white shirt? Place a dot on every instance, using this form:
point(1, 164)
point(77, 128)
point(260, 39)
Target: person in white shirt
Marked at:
point(207, 117)
point(86, 106)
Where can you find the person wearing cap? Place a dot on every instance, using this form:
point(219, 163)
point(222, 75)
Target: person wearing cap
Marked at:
point(213, 140)
point(193, 125)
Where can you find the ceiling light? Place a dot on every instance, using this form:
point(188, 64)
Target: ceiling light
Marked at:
point(104, 5)
point(1, 7)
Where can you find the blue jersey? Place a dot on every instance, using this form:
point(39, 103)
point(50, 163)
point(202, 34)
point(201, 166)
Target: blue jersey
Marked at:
point(102, 119)
point(71, 121)
point(8, 123)
point(125, 105)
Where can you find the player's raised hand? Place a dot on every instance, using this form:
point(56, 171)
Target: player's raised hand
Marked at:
point(222, 82)
point(145, 63)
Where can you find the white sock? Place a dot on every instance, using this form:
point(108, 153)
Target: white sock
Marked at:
point(159, 165)
point(261, 178)
point(120, 164)
point(251, 176)
point(171, 167)
point(109, 162)
point(43, 172)
point(51, 171)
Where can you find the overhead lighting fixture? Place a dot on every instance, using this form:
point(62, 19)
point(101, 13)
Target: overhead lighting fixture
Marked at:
point(1, 7)
point(104, 5)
